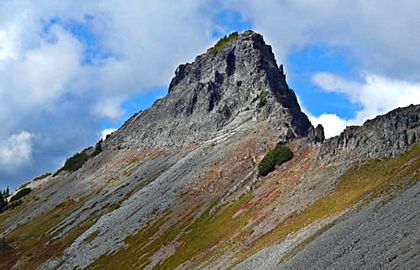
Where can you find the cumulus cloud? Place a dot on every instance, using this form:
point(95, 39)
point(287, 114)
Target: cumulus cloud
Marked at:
point(375, 94)
point(40, 75)
point(65, 67)
point(16, 150)
point(332, 124)
point(368, 31)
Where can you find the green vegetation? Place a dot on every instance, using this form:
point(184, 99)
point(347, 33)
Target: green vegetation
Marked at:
point(3, 202)
point(276, 156)
point(113, 206)
point(193, 236)
point(261, 98)
point(91, 236)
point(223, 42)
point(357, 186)
point(24, 185)
point(20, 194)
point(14, 201)
point(6, 192)
point(207, 231)
point(140, 247)
point(77, 160)
point(41, 176)
point(32, 243)
point(98, 148)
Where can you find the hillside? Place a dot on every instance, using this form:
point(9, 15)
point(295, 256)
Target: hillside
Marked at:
point(179, 185)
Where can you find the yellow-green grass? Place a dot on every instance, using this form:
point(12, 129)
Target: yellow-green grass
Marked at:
point(138, 248)
point(33, 244)
point(357, 186)
point(91, 237)
point(223, 42)
point(8, 214)
point(192, 236)
point(207, 231)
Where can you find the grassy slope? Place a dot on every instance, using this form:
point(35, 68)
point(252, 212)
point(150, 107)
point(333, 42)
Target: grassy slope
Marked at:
point(193, 236)
point(359, 184)
point(196, 239)
point(32, 243)
point(196, 236)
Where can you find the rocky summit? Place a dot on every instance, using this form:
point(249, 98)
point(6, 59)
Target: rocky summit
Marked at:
point(226, 172)
point(229, 84)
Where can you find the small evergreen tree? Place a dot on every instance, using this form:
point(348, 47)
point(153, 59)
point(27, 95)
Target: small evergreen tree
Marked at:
point(276, 156)
point(21, 193)
point(3, 202)
point(6, 193)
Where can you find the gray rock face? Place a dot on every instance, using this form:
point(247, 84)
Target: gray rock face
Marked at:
point(316, 135)
point(208, 94)
point(374, 238)
point(386, 135)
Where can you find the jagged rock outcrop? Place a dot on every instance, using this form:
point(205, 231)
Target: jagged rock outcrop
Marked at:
point(384, 136)
point(208, 94)
point(316, 135)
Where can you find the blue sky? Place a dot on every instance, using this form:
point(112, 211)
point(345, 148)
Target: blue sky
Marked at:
point(69, 72)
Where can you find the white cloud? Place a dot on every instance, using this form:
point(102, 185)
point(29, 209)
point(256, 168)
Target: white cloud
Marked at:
point(41, 75)
point(106, 132)
point(381, 36)
point(16, 150)
point(108, 108)
point(47, 87)
point(332, 124)
point(376, 95)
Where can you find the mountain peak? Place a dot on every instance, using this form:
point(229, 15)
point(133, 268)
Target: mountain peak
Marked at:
point(237, 80)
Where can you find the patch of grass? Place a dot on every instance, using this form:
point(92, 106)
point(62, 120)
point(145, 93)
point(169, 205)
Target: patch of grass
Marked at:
point(7, 216)
point(194, 237)
point(32, 244)
point(207, 231)
point(77, 160)
point(11, 205)
point(128, 172)
point(113, 206)
point(276, 156)
point(134, 160)
point(139, 247)
point(220, 45)
point(24, 185)
point(20, 194)
point(41, 177)
point(91, 237)
point(261, 98)
point(359, 184)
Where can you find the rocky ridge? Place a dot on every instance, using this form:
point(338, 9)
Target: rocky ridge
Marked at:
point(193, 157)
point(207, 95)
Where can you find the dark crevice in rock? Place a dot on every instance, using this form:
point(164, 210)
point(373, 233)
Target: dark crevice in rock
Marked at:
point(230, 63)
